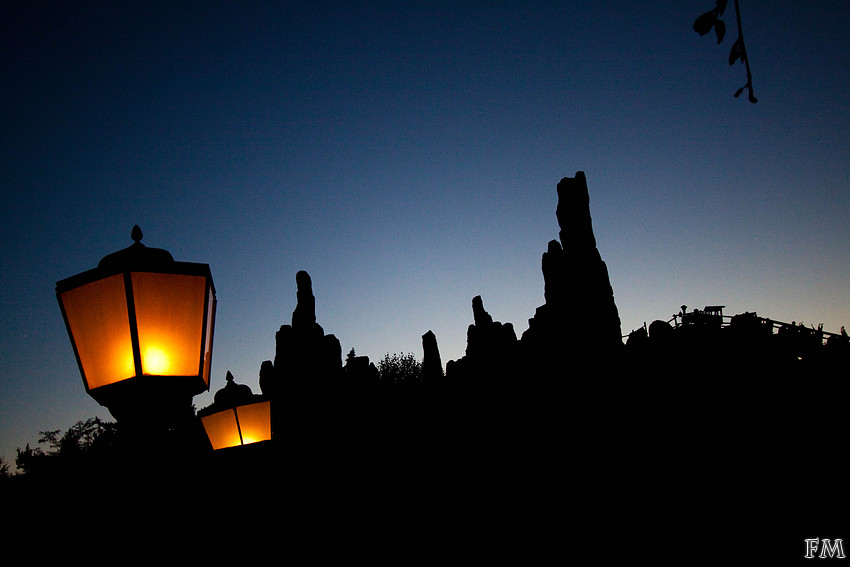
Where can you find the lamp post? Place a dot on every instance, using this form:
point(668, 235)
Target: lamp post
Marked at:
point(141, 326)
point(237, 417)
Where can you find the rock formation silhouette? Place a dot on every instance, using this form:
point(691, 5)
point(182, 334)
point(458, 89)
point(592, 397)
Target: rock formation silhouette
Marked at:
point(305, 357)
point(302, 381)
point(360, 373)
point(578, 324)
point(491, 353)
point(432, 366)
point(642, 425)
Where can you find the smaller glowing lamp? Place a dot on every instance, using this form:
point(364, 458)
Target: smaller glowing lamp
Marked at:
point(236, 417)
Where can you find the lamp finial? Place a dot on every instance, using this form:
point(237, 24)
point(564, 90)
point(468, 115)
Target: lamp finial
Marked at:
point(136, 234)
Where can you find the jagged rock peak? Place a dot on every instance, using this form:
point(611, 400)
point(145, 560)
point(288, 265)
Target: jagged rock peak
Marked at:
point(580, 313)
point(305, 308)
point(573, 214)
point(479, 315)
point(432, 365)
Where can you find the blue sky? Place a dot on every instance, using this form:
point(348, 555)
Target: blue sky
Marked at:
point(406, 155)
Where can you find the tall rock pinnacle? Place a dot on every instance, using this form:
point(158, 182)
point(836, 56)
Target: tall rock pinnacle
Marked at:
point(305, 357)
point(579, 320)
point(304, 315)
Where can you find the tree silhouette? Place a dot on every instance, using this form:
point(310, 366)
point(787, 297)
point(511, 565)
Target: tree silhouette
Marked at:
point(711, 20)
point(84, 442)
point(400, 369)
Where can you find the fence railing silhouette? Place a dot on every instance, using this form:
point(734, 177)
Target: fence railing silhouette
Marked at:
point(714, 315)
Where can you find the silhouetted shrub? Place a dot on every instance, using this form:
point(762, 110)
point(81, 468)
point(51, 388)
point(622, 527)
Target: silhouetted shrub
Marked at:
point(400, 369)
point(83, 443)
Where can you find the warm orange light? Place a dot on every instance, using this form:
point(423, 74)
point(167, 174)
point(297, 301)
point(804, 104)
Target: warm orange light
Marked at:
point(156, 361)
point(222, 429)
point(141, 326)
point(97, 317)
point(255, 422)
point(170, 314)
point(239, 426)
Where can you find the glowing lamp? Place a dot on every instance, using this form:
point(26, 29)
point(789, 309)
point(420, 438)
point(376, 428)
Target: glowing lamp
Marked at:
point(141, 326)
point(236, 417)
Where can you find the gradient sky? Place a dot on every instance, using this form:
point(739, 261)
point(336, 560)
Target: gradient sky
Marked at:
point(406, 155)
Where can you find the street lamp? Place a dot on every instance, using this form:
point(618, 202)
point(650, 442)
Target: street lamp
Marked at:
point(236, 417)
point(141, 326)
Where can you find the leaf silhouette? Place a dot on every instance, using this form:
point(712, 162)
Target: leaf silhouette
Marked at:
point(736, 52)
point(738, 92)
point(720, 30)
point(705, 22)
point(721, 7)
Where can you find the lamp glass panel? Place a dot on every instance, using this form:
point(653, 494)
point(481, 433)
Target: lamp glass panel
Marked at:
point(100, 327)
point(169, 315)
point(222, 429)
point(255, 422)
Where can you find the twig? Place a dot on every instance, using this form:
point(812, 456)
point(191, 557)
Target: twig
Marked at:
point(744, 57)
